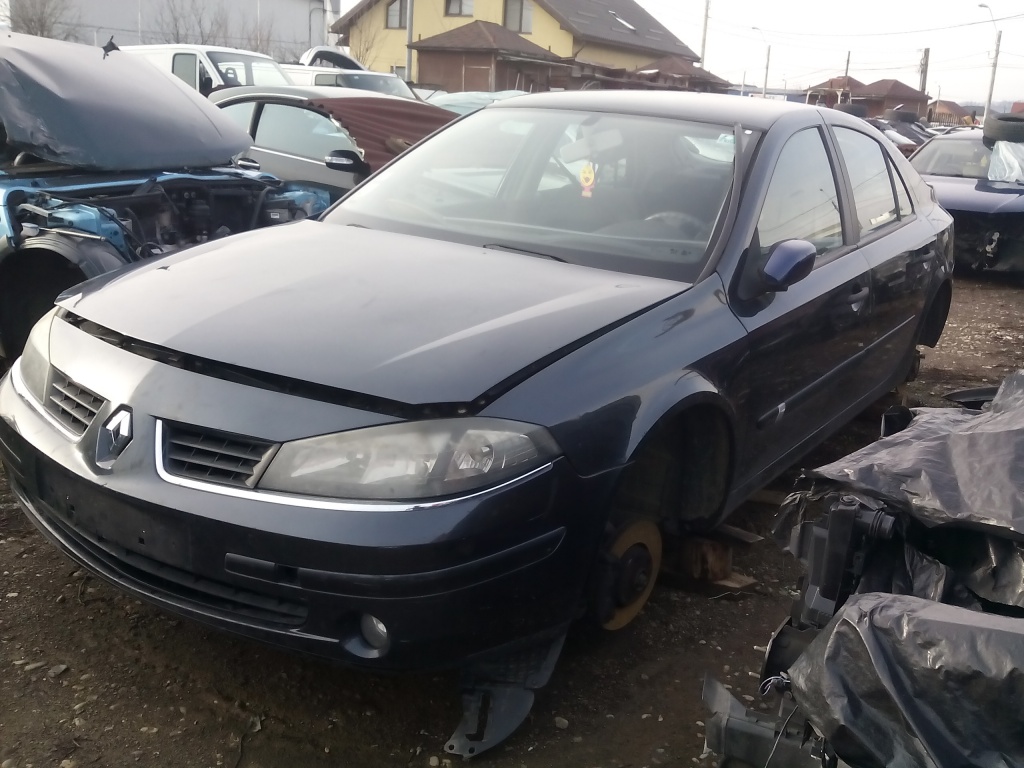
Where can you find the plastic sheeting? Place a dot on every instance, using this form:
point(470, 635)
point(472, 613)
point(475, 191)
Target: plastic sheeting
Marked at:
point(950, 466)
point(1007, 162)
point(901, 681)
point(384, 127)
point(75, 105)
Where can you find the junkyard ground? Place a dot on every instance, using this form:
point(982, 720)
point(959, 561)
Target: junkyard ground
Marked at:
point(89, 676)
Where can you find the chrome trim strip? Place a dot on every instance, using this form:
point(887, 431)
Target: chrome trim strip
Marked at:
point(313, 502)
point(22, 389)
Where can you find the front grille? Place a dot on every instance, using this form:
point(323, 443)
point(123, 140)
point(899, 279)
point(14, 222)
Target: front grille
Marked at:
point(215, 457)
point(71, 404)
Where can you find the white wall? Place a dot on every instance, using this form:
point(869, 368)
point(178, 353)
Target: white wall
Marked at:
point(289, 26)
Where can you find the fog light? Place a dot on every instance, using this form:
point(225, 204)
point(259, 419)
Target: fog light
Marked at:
point(374, 631)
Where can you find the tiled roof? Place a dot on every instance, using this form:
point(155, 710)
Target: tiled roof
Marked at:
point(950, 108)
point(888, 88)
point(483, 36)
point(844, 83)
point(680, 67)
point(616, 22)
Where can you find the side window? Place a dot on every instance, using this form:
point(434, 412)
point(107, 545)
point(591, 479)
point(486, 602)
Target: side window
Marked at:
point(186, 66)
point(325, 80)
point(902, 195)
point(802, 202)
point(240, 114)
point(299, 131)
point(869, 175)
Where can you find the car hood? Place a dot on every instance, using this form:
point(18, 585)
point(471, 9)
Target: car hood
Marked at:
point(977, 195)
point(76, 105)
point(393, 316)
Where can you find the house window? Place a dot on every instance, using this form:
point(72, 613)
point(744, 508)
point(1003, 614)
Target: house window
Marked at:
point(519, 16)
point(396, 14)
point(458, 8)
point(400, 71)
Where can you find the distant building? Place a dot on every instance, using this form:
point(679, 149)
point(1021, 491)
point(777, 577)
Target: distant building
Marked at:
point(281, 28)
point(876, 97)
point(948, 113)
point(835, 90)
point(610, 39)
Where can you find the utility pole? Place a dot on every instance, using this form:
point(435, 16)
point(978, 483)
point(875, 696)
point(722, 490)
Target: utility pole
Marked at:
point(767, 60)
point(704, 34)
point(992, 82)
point(847, 72)
point(743, 84)
point(408, 41)
point(924, 70)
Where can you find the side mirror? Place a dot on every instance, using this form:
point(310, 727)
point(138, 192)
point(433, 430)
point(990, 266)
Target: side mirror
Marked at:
point(789, 262)
point(347, 160)
point(247, 164)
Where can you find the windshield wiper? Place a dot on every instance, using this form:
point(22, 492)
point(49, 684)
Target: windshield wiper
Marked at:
point(516, 249)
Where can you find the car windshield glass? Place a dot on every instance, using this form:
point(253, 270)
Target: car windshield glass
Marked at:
point(370, 81)
point(240, 69)
point(966, 158)
point(629, 193)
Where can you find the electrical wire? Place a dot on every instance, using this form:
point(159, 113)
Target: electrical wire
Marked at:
point(782, 33)
point(778, 738)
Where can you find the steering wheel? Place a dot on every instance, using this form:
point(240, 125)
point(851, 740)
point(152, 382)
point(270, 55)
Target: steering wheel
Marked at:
point(688, 223)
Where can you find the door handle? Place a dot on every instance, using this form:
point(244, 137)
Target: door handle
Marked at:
point(858, 294)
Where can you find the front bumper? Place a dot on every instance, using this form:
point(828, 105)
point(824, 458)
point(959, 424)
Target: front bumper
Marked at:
point(450, 583)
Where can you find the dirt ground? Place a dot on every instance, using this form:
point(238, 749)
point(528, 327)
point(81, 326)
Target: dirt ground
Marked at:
point(91, 677)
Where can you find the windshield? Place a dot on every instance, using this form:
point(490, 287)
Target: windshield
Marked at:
point(369, 81)
point(628, 193)
point(242, 69)
point(965, 158)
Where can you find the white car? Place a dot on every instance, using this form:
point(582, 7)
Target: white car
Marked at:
point(380, 82)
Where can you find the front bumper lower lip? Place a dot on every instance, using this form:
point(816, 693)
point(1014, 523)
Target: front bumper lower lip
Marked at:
point(316, 502)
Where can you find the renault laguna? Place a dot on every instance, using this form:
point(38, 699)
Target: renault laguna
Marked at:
point(481, 395)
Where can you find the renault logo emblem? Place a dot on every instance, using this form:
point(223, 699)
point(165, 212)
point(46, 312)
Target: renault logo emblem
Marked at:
point(114, 437)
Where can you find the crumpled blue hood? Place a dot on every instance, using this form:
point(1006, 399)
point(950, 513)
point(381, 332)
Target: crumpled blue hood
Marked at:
point(977, 195)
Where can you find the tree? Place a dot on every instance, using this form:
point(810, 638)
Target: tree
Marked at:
point(192, 21)
point(45, 18)
point(256, 36)
point(364, 47)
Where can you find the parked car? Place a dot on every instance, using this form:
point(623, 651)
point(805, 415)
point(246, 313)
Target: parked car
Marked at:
point(210, 67)
point(105, 162)
point(379, 82)
point(330, 56)
point(327, 136)
point(465, 102)
point(481, 394)
point(983, 192)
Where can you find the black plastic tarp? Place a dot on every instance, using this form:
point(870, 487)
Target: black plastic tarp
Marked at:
point(950, 466)
point(901, 681)
point(74, 105)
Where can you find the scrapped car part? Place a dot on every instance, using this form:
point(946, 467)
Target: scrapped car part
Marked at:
point(988, 212)
point(633, 562)
point(415, 440)
point(497, 695)
point(105, 162)
point(850, 108)
point(889, 561)
point(1004, 127)
point(975, 398)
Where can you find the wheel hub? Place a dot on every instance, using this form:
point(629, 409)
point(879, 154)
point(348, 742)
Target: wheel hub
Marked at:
point(637, 550)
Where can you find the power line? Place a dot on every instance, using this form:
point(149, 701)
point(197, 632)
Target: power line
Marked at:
point(881, 34)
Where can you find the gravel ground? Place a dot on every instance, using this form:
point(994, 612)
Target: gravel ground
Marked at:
point(89, 676)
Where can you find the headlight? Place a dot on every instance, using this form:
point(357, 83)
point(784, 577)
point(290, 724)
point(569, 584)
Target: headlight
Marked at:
point(413, 460)
point(35, 363)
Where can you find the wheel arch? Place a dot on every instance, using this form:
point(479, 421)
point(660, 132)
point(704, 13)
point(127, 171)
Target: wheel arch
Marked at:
point(935, 316)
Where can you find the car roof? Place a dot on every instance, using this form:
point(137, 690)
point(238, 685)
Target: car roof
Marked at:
point(297, 92)
point(191, 47)
point(969, 134)
point(334, 70)
point(755, 113)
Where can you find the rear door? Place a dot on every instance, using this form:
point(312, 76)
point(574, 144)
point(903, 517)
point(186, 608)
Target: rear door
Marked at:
point(900, 251)
point(797, 377)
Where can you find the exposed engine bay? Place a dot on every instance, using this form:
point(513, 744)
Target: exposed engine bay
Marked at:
point(157, 218)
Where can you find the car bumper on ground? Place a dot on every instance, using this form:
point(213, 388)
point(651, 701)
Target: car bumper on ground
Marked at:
point(449, 583)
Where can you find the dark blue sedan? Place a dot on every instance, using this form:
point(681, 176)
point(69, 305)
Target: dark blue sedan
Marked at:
point(483, 394)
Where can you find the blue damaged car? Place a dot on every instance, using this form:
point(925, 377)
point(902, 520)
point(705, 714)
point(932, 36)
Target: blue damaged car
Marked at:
point(104, 162)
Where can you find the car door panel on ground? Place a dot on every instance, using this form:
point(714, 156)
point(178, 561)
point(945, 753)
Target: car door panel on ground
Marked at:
point(800, 340)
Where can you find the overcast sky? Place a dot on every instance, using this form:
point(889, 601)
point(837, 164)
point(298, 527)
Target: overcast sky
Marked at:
point(810, 39)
